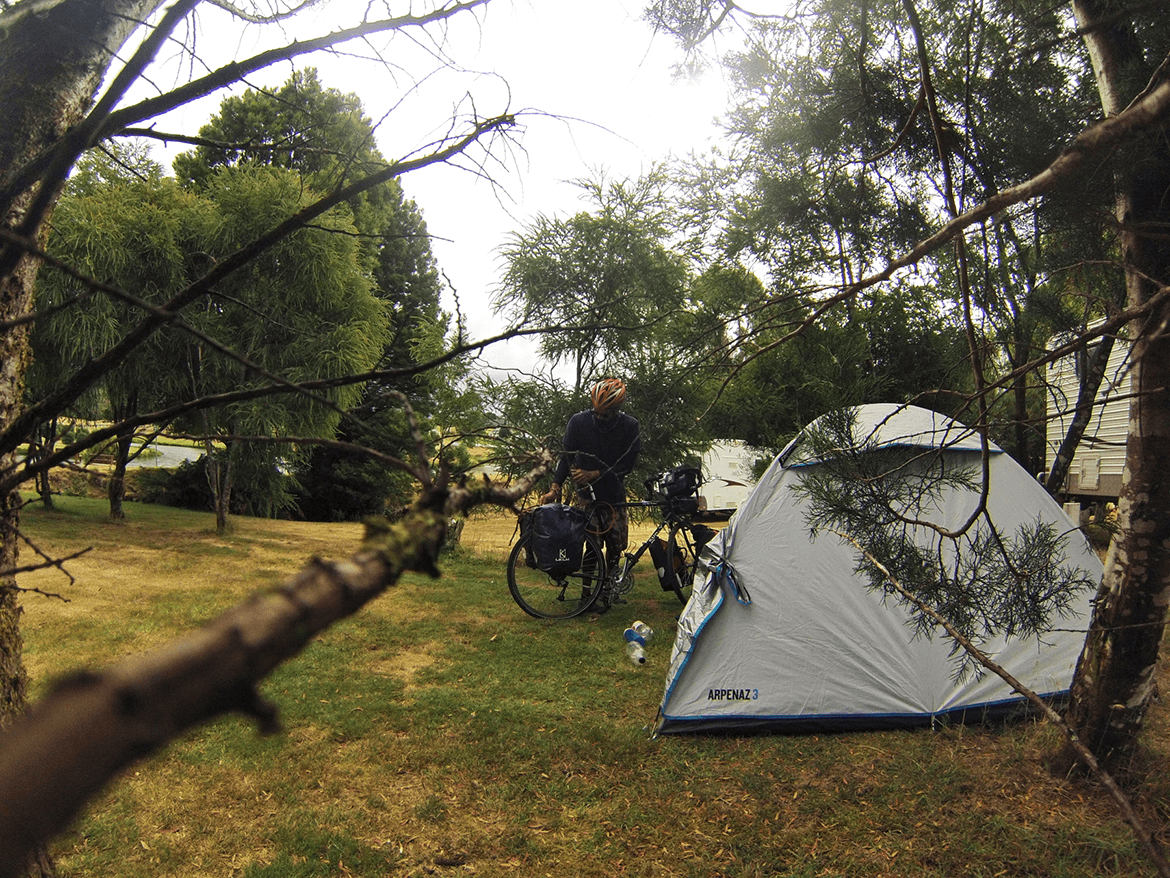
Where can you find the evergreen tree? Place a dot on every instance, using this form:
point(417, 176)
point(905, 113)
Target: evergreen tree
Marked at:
point(324, 136)
point(859, 129)
point(122, 224)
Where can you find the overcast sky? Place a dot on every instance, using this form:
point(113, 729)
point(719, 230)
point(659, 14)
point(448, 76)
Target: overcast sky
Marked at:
point(591, 81)
point(605, 81)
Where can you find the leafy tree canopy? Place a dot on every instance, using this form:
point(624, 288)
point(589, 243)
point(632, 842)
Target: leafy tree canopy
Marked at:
point(622, 303)
point(323, 135)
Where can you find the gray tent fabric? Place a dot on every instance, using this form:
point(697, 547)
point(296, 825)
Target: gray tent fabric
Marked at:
point(783, 635)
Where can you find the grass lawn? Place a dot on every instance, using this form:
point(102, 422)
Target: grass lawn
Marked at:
point(443, 732)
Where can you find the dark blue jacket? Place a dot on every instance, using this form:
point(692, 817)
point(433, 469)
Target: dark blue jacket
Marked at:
point(610, 447)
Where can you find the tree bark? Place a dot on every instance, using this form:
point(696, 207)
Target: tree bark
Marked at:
point(40, 446)
point(221, 481)
point(116, 487)
point(51, 64)
point(123, 446)
point(1114, 683)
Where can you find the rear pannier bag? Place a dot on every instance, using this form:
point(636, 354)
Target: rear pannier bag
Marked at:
point(558, 538)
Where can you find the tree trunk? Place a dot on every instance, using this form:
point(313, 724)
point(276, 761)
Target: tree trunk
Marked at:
point(50, 65)
point(1115, 676)
point(220, 478)
point(223, 500)
point(123, 445)
point(40, 446)
point(1023, 423)
point(1114, 682)
point(51, 62)
point(116, 488)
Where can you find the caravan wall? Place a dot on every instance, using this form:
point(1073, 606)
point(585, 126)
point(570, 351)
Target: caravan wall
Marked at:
point(1095, 474)
point(727, 474)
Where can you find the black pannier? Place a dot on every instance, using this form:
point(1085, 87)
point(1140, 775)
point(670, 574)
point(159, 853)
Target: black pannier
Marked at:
point(558, 538)
point(668, 568)
point(682, 481)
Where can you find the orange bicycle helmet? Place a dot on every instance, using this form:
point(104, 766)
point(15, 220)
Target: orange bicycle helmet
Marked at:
point(608, 394)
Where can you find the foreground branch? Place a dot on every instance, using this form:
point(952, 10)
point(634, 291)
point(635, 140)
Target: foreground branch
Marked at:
point(1124, 805)
point(71, 387)
point(94, 725)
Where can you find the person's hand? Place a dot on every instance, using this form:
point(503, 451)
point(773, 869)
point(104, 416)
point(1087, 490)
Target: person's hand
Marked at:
point(553, 496)
point(584, 476)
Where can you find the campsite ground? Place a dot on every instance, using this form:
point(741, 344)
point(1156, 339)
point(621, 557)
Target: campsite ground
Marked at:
point(443, 732)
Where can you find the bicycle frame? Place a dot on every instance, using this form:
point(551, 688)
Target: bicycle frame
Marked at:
point(618, 581)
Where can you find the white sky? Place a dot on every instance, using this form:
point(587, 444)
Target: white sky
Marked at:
point(593, 85)
point(606, 79)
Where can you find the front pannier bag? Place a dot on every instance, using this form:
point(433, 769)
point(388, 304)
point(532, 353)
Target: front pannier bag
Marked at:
point(680, 486)
point(667, 567)
point(558, 538)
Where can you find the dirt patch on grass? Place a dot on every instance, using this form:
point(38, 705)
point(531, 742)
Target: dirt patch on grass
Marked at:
point(404, 665)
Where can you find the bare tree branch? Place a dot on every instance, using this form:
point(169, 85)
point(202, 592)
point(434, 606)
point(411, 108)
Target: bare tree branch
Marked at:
point(264, 19)
point(1124, 805)
point(94, 725)
point(73, 386)
point(110, 123)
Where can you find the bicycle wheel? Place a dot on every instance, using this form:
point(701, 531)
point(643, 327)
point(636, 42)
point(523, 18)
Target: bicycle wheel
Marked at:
point(685, 555)
point(546, 597)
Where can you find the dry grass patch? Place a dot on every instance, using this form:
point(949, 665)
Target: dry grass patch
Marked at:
point(405, 665)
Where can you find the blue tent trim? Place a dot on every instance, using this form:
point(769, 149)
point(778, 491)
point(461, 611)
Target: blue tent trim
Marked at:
point(691, 647)
point(989, 712)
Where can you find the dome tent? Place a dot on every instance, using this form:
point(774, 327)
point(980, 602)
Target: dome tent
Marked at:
point(814, 647)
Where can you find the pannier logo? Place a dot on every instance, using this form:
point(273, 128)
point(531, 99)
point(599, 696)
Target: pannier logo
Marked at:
point(562, 555)
point(733, 694)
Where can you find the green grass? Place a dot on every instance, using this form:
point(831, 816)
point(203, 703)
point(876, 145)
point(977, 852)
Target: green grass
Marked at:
point(442, 731)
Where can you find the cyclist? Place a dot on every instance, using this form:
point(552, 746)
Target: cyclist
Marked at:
point(601, 446)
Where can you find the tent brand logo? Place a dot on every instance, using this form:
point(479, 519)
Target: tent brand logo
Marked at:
point(733, 694)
